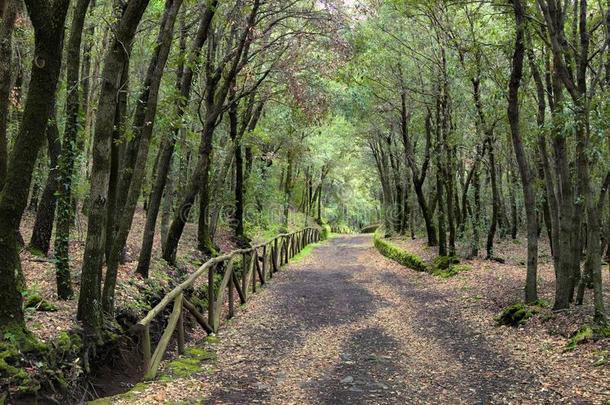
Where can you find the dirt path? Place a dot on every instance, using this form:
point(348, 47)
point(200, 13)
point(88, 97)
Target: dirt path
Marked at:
point(345, 325)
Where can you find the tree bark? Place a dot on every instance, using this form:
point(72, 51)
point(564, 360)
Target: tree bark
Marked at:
point(65, 208)
point(89, 303)
point(45, 214)
point(531, 283)
point(6, 57)
point(215, 98)
point(133, 176)
point(168, 144)
point(48, 25)
point(495, 200)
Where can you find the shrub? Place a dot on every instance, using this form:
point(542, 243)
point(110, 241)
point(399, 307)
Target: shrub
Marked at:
point(325, 232)
point(391, 251)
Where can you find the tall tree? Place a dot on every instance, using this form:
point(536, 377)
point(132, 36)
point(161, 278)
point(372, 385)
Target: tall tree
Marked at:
point(48, 19)
point(531, 287)
point(65, 210)
point(117, 56)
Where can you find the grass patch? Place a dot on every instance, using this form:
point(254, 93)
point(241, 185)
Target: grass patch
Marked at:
point(391, 251)
point(307, 250)
point(191, 363)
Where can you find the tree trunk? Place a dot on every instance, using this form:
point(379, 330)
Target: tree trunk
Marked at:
point(65, 208)
point(143, 125)
point(45, 215)
point(117, 147)
point(593, 265)
point(89, 303)
point(239, 173)
point(49, 31)
point(531, 283)
point(6, 57)
point(476, 215)
point(495, 201)
point(185, 81)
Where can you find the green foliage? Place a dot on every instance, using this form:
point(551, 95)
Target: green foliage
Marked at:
point(307, 250)
point(395, 253)
point(325, 232)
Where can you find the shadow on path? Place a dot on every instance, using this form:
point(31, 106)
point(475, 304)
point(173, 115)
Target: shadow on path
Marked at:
point(372, 368)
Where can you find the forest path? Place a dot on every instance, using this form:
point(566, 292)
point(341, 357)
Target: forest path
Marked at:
point(346, 325)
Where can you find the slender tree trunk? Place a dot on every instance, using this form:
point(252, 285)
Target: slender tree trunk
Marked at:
point(593, 265)
point(65, 208)
point(476, 216)
point(116, 149)
point(45, 215)
point(531, 284)
point(239, 174)
point(185, 81)
point(495, 201)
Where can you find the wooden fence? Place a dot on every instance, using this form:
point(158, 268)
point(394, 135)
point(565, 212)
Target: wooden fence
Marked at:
point(258, 265)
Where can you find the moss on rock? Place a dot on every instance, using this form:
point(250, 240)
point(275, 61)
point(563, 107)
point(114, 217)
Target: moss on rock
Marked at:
point(445, 262)
point(587, 333)
point(515, 315)
point(34, 300)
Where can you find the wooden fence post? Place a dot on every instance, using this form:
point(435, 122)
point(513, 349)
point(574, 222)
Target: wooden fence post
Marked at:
point(181, 329)
point(264, 264)
point(211, 298)
point(165, 338)
point(146, 347)
point(254, 262)
point(274, 256)
point(244, 275)
point(231, 299)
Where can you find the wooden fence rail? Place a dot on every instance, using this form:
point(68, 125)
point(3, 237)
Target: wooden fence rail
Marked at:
point(258, 265)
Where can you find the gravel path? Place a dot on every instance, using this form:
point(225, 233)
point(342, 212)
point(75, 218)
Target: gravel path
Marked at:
point(347, 326)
